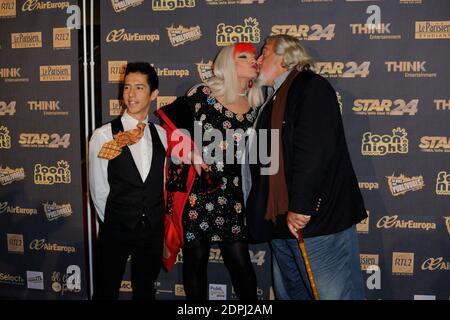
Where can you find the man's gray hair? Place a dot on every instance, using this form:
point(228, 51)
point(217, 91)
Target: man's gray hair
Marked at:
point(292, 51)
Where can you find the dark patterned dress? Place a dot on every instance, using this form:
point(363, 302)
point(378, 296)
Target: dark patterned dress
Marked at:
point(219, 215)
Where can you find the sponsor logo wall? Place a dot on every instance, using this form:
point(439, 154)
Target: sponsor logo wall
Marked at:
point(42, 255)
point(392, 81)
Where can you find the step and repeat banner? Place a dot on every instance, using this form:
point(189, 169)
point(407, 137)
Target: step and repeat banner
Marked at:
point(42, 251)
point(392, 80)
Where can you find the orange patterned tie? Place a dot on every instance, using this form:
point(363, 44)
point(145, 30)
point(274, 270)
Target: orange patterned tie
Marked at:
point(113, 148)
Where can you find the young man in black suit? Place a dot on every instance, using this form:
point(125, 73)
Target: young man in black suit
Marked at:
point(315, 189)
point(126, 173)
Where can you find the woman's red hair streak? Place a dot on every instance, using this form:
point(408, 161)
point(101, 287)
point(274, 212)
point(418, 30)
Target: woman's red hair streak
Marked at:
point(244, 47)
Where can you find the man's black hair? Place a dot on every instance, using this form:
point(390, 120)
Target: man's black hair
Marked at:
point(144, 68)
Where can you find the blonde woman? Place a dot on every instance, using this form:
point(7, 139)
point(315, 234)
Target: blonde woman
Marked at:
point(209, 207)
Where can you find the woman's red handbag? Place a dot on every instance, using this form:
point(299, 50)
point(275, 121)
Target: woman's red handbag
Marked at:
point(172, 242)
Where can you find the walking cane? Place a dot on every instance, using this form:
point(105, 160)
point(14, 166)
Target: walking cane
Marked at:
point(301, 245)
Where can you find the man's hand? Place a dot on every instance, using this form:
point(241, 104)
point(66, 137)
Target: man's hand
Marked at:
point(296, 221)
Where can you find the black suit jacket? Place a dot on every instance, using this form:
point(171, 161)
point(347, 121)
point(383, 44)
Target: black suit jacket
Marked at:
point(319, 175)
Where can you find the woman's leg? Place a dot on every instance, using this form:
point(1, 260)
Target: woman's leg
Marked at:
point(195, 263)
point(237, 260)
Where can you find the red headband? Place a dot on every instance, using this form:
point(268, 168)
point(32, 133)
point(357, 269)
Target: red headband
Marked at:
point(244, 47)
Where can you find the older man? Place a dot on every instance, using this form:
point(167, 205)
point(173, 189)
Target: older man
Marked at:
point(315, 189)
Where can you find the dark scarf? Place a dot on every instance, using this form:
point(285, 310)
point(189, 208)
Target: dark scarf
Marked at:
point(277, 201)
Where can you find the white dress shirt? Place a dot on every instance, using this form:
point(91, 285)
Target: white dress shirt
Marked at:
point(142, 153)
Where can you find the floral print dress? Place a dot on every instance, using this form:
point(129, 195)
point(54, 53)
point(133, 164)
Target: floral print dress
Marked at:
point(219, 215)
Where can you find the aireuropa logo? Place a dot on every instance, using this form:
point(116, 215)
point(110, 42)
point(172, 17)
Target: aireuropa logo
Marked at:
point(41, 244)
point(122, 35)
point(434, 144)
point(410, 69)
point(11, 279)
point(172, 71)
point(7, 8)
point(170, 5)
point(53, 174)
point(403, 263)
point(61, 38)
point(432, 30)
point(22, 40)
point(367, 260)
point(363, 226)
point(217, 291)
point(35, 280)
point(122, 5)
point(44, 140)
point(385, 107)
point(442, 104)
point(443, 183)
point(6, 208)
point(229, 34)
point(15, 243)
point(48, 107)
point(402, 184)
point(55, 73)
point(205, 70)
point(116, 71)
point(5, 138)
point(366, 185)
point(31, 5)
point(380, 145)
point(55, 211)
point(162, 101)
point(7, 108)
point(340, 69)
point(388, 222)
point(305, 32)
point(436, 264)
point(8, 175)
point(180, 35)
point(68, 281)
point(12, 74)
